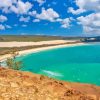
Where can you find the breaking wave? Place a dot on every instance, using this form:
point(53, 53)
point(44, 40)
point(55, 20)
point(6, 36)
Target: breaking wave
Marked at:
point(50, 73)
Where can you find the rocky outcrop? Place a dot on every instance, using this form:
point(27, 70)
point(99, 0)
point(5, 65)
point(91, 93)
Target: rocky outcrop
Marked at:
point(17, 85)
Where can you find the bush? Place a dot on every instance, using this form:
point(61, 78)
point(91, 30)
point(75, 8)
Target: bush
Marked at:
point(12, 64)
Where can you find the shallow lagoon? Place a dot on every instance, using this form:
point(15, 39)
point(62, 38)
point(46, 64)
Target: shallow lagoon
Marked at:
point(75, 64)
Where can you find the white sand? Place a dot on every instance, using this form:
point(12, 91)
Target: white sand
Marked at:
point(20, 44)
point(3, 57)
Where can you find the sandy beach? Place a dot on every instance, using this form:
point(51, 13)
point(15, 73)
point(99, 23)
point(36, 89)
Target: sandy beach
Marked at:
point(3, 57)
point(20, 44)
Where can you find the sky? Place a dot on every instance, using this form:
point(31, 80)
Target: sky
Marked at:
point(50, 17)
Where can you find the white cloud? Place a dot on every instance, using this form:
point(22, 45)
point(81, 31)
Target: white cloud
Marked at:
point(75, 11)
point(48, 14)
point(2, 27)
point(41, 2)
point(65, 23)
point(89, 4)
point(15, 6)
point(24, 25)
point(24, 19)
point(3, 18)
point(90, 23)
point(6, 10)
point(32, 13)
point(86, 5)
point(58, 20)
point(8, 26)
point(36, 20)
point(21, 8)
point(5, 3)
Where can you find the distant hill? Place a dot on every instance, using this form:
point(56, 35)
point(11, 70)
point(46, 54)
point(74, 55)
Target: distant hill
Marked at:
point(34, 38)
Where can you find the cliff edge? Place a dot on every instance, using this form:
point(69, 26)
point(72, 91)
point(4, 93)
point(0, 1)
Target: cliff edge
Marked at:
point(17, 85)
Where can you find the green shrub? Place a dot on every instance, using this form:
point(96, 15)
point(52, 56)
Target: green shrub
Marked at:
point(12, 64)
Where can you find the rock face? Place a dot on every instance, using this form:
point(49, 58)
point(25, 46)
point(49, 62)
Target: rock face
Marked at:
point(16, 85)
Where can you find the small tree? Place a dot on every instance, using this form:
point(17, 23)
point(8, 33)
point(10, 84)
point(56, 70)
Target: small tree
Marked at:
point(18, 65)
point(12, 64)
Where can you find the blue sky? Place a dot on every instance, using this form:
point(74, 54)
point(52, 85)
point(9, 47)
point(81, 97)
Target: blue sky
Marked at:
point(50, 17)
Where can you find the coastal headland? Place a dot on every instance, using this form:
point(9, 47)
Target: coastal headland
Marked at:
point(17, 85)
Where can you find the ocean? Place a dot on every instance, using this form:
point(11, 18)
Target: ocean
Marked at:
point(73, 64)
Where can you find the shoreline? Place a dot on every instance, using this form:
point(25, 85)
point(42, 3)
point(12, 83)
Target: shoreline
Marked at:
point(23, 52)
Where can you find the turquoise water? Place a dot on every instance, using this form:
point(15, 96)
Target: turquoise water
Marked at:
point(75, 64)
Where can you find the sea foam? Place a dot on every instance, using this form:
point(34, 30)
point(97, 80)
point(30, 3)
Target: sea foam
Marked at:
point(50, 73)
